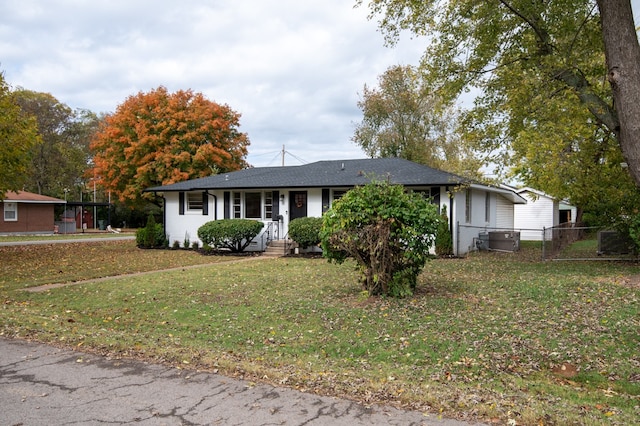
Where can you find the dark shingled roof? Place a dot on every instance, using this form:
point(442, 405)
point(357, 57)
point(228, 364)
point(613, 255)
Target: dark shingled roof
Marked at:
point(334, 173)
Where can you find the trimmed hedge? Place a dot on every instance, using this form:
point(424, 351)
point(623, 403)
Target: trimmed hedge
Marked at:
point(305, 231)
point(232, 234)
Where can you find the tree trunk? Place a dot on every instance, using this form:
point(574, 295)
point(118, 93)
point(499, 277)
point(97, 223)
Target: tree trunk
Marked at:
point(623, 62)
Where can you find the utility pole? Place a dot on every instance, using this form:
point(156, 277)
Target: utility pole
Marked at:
point(283, 155)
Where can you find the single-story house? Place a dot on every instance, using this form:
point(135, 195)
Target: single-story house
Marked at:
point(541, 211)
point(28, 213)
point(277, 195)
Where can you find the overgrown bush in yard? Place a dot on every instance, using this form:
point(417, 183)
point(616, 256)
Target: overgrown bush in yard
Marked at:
point(152, 235)
point(386, 230)
point(305, 231)
point(231, 234)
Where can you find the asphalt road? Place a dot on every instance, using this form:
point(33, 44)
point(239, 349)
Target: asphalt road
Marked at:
point(44, 385)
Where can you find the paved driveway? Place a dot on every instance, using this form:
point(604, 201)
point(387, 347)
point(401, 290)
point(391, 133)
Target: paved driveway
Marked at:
point(44, 385)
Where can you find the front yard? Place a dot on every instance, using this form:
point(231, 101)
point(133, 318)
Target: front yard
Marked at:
point(497, 337)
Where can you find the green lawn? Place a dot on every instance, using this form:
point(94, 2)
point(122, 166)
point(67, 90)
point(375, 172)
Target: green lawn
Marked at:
point(483, 338)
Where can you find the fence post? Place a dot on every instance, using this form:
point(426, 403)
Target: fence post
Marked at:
point(544, 242)
point(457, 238)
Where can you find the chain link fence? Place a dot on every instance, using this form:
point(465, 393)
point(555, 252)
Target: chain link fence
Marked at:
point(563, 242)
point(574, 242)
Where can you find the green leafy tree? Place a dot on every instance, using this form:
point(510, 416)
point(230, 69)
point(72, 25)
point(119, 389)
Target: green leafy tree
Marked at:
point(494, 45)
point(539, 69)
point(386, 230)
point(62, 158)
point(404, 118)
point(18, 138)
point(159, 138)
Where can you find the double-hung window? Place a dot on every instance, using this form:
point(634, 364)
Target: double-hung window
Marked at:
point(10, 212)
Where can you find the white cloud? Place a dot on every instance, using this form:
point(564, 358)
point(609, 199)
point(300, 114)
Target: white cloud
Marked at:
point(293, 69)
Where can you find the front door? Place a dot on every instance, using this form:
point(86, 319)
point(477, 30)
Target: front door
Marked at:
point(297, 204)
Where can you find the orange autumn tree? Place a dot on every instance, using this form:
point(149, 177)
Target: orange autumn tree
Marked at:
point(159, 138)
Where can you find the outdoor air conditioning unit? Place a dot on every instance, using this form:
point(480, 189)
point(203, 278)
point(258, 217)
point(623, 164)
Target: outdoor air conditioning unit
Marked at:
point(611, 242)
point(504, 240)
point(482, 243)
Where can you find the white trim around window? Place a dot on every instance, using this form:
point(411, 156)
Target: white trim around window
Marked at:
point(256, 205)
point(194, 202)
point(10, 212)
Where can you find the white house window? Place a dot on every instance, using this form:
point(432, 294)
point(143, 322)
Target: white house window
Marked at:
point(338, 194)
point(194, 201)
point(252, 205)
point(10, 212)
point(487, 207)
point(237, 205)
point(467, 206)
point(268, 205)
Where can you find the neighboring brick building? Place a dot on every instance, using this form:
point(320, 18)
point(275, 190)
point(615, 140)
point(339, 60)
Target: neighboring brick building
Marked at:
point(25, 212)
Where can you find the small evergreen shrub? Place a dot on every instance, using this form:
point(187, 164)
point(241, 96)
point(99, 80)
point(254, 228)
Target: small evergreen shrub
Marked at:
point(151, 236)
point(444, 241)
point(306, 231)
point(231, 234)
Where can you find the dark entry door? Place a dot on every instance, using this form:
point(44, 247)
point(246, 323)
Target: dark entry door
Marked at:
point(297, 204)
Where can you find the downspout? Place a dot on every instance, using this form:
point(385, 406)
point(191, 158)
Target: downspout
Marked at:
point(215, 204)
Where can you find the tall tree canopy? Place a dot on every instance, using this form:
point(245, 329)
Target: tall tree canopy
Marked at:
point(159, 138)
point(519, 52)
point(61, 160)
point(18, 136)
point(403, 118)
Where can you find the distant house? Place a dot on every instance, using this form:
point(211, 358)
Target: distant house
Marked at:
point(25, 212)
point(277, 195)
point(541, 211)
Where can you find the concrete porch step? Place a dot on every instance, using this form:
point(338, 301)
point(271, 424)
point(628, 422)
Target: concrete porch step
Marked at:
point(279, 248)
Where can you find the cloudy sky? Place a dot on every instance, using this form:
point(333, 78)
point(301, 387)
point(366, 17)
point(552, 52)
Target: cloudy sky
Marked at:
point(294, 69)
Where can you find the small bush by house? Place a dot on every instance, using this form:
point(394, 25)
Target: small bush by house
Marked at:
point(230, 234)
point(306, 231)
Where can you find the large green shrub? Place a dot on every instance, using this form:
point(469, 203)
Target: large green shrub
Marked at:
point(387, 231)
point(231, 234)
point(444, 241)
point(152, 235)
point(305, 231)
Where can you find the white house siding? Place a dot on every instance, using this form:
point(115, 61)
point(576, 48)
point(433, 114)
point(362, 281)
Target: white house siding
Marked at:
point(504, 213)
point(468, 230)
point(177, 226)
point(539, 212)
